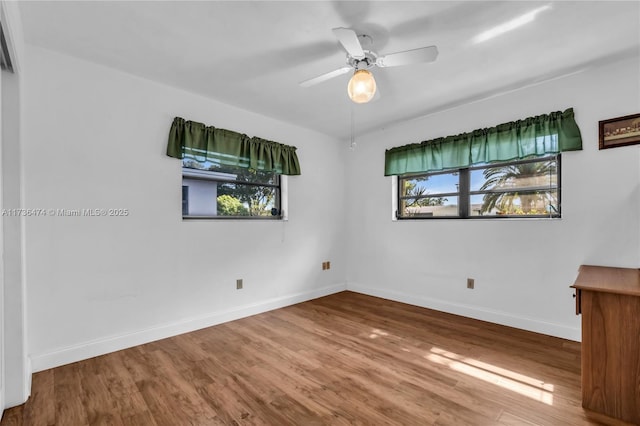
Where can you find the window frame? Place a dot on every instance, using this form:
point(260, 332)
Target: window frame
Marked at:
point(465, 193)
point(219, 177)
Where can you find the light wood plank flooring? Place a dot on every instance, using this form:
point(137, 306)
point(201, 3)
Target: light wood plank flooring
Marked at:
point(338, 360)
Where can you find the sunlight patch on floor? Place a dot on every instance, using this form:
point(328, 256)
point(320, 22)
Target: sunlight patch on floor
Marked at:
point(507, 379)
point(375, 333)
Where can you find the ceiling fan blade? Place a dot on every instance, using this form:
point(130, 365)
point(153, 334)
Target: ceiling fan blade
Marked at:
point(408, 57)
point(325, 77)
point(349, 40)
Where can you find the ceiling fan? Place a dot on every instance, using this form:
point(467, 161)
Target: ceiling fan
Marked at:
point(362, 86)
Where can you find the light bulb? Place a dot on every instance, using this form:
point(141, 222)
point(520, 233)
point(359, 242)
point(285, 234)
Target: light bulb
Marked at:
point(362, 87)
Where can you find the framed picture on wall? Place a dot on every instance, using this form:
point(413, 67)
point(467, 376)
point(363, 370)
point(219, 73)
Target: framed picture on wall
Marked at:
point(619, 131)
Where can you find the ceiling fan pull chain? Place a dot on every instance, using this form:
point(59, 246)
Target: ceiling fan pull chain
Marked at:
point(352, 145)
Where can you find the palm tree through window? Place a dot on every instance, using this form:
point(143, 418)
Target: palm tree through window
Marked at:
point(522, 188)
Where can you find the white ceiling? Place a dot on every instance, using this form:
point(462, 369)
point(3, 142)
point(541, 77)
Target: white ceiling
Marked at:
point(253, 54)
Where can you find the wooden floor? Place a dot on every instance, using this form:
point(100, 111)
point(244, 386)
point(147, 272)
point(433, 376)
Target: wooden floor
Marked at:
point(342, 359)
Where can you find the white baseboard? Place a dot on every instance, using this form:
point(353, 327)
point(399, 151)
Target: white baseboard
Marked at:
point(106, 345)
point(67, 355)
point(497, 317)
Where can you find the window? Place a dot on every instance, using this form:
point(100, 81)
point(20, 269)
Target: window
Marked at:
point(214, 191)
point(226, 174)
point(523, 188)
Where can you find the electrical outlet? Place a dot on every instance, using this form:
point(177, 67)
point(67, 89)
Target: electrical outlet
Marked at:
point(470, 283)
point(239, 284)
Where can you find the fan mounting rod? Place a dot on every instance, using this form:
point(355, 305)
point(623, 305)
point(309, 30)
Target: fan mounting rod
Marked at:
point(370, 57)
point(365, 40)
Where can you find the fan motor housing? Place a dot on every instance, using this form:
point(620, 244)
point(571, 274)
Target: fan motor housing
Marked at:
point(367, 62)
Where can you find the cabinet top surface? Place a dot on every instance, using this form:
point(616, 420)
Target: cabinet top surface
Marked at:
point(608, 279)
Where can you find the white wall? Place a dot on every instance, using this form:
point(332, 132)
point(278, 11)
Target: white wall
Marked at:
point(96, 138)
point(523, 268)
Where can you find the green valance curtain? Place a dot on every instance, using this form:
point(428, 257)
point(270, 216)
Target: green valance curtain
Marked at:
point(189, 139)
point(533, 136)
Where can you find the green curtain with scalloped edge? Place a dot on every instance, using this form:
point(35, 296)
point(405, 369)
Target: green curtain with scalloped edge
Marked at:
point(202, 143)
point(534, 136)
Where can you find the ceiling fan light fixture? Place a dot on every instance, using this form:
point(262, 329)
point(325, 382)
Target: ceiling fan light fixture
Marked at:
point(362, 87)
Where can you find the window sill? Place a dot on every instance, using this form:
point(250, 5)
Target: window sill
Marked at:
point(239, 218)
point(480, 219)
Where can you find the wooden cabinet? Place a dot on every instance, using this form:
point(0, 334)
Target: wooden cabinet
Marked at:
point(609, 301)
